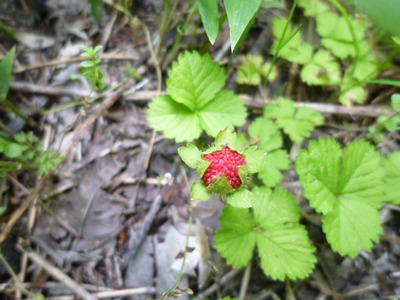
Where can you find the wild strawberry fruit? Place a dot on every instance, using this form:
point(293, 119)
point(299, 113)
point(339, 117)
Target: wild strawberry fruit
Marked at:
point(223, 169)
point(223, 162)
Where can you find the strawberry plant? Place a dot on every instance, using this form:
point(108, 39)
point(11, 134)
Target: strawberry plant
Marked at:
point(196, 101)
point(253, 69)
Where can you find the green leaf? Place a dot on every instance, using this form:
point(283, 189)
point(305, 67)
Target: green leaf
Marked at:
point(190, 154)
point(283, 244)
point(336, 35)
point(392, 178)
point(266, 134)
point(236, 240)
point(2, 208)
point(352, 94)
point(254, 159)
point(199, 192)
point(96, 8)
point(352, 225)
point(240, 13)
point(347, 188)
point(195, 80)
point(226, 109)
point(275, 161)
point(297, 123)
point(175, 120)
point(241, 198)
point(252, 68)
point(313, 8)
point(6, 73)
point(13, 150)
point(209, 16)
point(395, 101)
point(321, 70)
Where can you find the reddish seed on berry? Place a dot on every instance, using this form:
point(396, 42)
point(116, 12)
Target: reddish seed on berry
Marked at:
point(225, 161)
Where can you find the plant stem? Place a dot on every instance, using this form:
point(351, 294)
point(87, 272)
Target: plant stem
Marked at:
point(180, 275)
point(280, 42)
point(245, 282)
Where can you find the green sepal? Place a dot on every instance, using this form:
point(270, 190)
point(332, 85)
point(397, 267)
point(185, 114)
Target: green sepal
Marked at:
point(202, 166)
point(190, 154)
point(221, 186)
point(243, 172)
point(211, 150)
point(241, 198)
point(225, 137)
point(199, 192)
point(254, 158)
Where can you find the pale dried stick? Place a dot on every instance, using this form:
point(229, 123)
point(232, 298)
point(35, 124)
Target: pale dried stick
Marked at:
point(112, 294)
point(58, 274)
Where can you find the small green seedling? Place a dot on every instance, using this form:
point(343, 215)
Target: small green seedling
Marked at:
point(253, 69)
point(91, 68)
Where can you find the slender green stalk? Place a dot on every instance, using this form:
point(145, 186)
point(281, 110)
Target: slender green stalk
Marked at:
point(180, 275)
point(280, 42)
point(352, 33)
point(18, 112)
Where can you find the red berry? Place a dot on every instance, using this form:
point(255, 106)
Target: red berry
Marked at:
point(225, 161)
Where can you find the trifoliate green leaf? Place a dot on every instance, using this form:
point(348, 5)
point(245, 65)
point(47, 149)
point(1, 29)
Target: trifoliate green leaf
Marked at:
point(297, 123)
point(366, 65)
point(266, 134)
point(275, 161)
point(313, 8)
point(236, 240)
point(194, 80)
point(175, 120)
point(321, 70)
point(347, 188)
point(336, 35)
point(199, 192)
point(226, 109)
point(395, 101)
point(282, 242)
point(190, 154)
point(392, 178)
point(352, 225)
point(252, 68)
point(241, 198)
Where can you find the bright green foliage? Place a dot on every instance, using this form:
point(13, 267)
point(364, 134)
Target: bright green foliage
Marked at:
point(229, 298)
point(392, 178)
point(238, 197)
point(91, 68)
point(395, 101)
point(336, 35)
point(196, 101)
point(352, 94)
point(313, 8)
point(321, 70)
point(240, 13)
point(209, 15)
point(96, 9)
point(273, 226)
point(253, 68)
point(27, 154)
point(268, 138)
point(346, 187)
point(298, 123)
point(6, 73)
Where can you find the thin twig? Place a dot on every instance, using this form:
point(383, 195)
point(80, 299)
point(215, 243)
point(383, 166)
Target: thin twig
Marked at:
point(58, 274)
point(245, 281)
point(113, 293)
point(75, 59)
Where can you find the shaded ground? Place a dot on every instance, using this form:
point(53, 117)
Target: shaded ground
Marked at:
point(115, 216)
